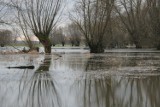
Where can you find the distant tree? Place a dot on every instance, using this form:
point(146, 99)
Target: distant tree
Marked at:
point(41, 16)
point(54, 39)
point(3, 11)
point(5, 37)
point(93, 17)
point(75, 34)
point(71, 39)
point(154, 20)
point(61, 36)
point(118, 35)
point(57, 37)
point(133, 15)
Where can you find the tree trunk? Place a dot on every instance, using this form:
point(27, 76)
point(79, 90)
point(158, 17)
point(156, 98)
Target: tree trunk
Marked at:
point(47, 49)
point(47, 45)
point(63, 44)
point(138, 45)
point(72, 43)
point(2, 45)
point(158, 46)
point(96, 49)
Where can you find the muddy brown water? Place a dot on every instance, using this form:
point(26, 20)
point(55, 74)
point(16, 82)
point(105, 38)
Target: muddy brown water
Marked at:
point(115, 79)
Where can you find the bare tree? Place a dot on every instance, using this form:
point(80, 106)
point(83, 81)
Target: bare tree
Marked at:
point(132, 14)
point(75, 34)
point(3, 11)
point(61, 36)
point(19, 27)
point(154, 20)
point(26, 32)
point(119, 36)
point(5, 37)
point(41, 16)
point(57, 37)
point(92, 17)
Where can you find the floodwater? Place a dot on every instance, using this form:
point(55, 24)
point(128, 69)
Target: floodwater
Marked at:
point(113, 79)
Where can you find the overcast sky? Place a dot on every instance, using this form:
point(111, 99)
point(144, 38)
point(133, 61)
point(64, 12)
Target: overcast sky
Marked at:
point(68, 8)
point(65, 19)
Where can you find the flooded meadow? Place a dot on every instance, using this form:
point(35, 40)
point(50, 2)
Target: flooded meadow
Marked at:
point(80, 79)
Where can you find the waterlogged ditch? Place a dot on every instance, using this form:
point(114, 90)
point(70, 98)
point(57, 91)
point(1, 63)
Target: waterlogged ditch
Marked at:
point(127, 79)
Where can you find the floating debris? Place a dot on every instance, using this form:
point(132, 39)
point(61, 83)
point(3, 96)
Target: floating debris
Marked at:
point(21, 67)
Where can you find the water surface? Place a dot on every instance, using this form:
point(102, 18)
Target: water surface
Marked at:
point(115, 79)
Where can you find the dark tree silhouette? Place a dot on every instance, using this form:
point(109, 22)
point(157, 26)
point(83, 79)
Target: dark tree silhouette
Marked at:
point(92, 17)
point(41, 17)
point(132, 14)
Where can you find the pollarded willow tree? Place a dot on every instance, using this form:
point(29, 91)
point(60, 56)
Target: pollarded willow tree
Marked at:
point(41, 16)
point(75, 35)
point(154, 20)
point(133, 14)
point(93, 17)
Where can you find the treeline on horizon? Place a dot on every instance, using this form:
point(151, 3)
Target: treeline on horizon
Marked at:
point(98, 24)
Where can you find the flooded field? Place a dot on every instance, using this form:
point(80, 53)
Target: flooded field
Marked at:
point(80, 79)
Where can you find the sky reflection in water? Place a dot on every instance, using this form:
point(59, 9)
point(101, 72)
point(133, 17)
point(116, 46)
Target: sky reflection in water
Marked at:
point(81, 80)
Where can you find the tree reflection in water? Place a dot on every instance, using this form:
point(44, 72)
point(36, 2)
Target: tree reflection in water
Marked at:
point(40, 90)
point(93, 93)
point(116, 91)
point(121, 92)
point(101, 62)
point(43, 89)
point(96, 63)
point(137, 92)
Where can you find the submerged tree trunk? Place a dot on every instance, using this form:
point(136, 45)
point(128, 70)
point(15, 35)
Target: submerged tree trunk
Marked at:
point(96, 49)
point(63, 43)
point(136, 40)
point(47, 49)
point(138, 45)
point(47, 45)
point(158, 46)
